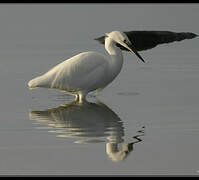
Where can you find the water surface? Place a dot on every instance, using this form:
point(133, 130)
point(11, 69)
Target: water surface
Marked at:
point(145, 123)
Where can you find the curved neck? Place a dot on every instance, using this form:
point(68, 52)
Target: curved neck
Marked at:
point(115, 52)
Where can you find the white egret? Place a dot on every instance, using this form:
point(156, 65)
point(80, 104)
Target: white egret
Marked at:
point(87, 71)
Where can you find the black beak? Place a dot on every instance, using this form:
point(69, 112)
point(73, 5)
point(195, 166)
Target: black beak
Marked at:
point(132, 49)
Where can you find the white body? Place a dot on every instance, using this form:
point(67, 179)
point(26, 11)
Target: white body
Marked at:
point(87, 71)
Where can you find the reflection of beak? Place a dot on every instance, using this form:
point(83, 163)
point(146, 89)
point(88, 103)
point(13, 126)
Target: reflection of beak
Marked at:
point(132, 49)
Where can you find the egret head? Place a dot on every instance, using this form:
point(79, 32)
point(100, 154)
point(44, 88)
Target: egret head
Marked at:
point(122, 39)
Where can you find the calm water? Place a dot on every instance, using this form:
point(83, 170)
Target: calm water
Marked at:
point(145, 123)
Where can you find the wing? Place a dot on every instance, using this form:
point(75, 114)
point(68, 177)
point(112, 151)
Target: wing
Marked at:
point(79, 72)
point(143, 40)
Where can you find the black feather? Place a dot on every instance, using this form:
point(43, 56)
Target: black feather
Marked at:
point(143, 40)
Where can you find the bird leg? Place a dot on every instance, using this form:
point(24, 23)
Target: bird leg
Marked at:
point(82, 97)
point(77, 97)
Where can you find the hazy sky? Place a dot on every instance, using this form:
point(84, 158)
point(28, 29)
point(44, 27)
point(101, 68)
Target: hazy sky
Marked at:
point(22, 23)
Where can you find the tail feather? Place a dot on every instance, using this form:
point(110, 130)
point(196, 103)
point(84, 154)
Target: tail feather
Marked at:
point(33, 83)
point(37, 82)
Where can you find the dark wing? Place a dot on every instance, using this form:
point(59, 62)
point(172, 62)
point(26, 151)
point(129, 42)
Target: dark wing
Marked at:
point(143, 40)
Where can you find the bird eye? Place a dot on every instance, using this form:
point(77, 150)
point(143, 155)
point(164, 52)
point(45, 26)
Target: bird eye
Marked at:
point(125, 41)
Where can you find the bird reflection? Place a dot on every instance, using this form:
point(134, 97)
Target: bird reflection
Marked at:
point(88, 122)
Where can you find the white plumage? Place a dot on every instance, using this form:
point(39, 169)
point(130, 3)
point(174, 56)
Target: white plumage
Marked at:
point(87, 71)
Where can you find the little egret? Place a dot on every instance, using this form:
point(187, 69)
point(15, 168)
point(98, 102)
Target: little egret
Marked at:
point(87, 71)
